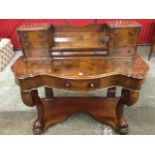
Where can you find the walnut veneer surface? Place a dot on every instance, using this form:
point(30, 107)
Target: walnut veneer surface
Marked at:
point(80, 59)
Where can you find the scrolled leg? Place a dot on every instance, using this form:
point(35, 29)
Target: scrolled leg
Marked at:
point(122, 125)
point(128, 97)
point(31, 98)
point(131, 97)
point(28, 97)
point(39, 123)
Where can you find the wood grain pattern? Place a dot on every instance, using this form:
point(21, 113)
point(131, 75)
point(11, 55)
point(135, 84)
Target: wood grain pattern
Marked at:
point(114, 39)
point(59, 109)
point(89, 67)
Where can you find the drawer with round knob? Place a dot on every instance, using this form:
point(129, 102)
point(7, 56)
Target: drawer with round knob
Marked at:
point(79, 85)
point(66, 84)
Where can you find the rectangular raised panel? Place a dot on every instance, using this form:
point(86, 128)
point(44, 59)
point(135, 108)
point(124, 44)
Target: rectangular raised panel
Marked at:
point(35, 45)
point(34, 36)
point(40, 53)
point(36, 40)
point(123, 41)
point(123, 37)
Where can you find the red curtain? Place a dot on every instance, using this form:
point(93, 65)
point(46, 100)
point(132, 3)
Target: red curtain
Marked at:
point(8, 27)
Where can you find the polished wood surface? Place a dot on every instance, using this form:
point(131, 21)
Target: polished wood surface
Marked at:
point(81, 68)
point(59, 109)
point(117, 39)
point(84, 74)
point(80, 59)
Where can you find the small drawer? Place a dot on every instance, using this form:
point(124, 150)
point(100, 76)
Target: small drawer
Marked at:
point(35, 45)
point(37, 53)
point(79, 85)
point(34, 36)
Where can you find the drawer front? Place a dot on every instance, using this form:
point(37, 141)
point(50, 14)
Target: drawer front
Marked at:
point(123, 52)
point(37, 53)
point(82, 85)
point(66, 84)
point(35, 45)
point(33, 35)
point(85, 85)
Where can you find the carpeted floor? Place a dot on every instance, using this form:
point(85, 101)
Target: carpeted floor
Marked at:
point(16, 118)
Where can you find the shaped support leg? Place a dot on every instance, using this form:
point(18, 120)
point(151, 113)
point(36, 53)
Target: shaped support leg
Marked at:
point(39, 123)
point(128, 97)
point(111, 113)
point(31, 98)
point(28, 97)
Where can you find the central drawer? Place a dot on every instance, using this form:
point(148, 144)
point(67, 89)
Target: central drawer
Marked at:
point(66, 84)
point(81, 85)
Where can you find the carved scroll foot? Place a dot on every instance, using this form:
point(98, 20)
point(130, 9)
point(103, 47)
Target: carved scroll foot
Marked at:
point(122, 127)
point(38, 127)
point(128, 97)
point(39, 123)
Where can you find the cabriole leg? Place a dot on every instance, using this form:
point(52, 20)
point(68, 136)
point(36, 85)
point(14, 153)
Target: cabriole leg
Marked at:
point(128, 97)
point(39, 123)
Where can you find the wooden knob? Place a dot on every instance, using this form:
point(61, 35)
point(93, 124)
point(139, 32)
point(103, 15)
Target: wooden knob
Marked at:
point(67, 84)
point(92, 85)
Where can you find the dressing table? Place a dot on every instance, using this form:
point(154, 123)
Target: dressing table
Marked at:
point(80, 59)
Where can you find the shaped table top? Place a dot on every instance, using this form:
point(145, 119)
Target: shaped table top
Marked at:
point(81, 68)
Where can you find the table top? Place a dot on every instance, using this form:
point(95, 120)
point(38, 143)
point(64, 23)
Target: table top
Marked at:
point(81, 68)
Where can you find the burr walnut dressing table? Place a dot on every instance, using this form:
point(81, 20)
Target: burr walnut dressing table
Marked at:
point(80, 59)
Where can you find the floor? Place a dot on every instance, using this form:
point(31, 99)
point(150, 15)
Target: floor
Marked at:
point(17, 119)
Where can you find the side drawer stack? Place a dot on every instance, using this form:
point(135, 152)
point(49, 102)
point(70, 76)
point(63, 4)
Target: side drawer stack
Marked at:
point(123, 37)
point(35, 40)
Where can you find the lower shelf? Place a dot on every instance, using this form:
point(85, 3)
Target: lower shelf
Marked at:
point(58, 109)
